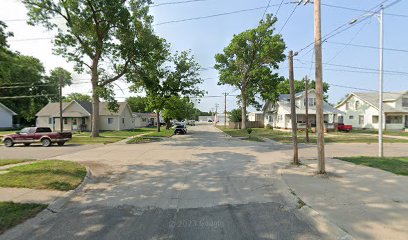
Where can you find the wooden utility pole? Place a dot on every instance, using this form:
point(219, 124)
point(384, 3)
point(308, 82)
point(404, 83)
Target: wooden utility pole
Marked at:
point(319, 88)
point(293, 109)
point(225, 110)
point(61, 82)
point(216, 112)
point(307, 108)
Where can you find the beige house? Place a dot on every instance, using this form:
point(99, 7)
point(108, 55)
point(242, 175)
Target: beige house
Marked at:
point(77, 116)
point(361, 110)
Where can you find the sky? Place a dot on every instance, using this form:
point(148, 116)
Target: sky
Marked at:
point(348, 67)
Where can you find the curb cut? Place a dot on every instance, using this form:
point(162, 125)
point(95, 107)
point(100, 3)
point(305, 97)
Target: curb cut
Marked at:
point(61, 201)
point(322, 224)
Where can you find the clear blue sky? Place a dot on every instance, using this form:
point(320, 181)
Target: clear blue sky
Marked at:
point(206, 37)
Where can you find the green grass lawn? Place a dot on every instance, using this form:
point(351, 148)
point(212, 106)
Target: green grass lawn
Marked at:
point(163, 133)
point(12, 214)
point(286, 137)
point(2, 133)
point(52, 174)
point(395, 165)
point(137, 140)
point(107, 136)
point(4, 162)
point(386, 132)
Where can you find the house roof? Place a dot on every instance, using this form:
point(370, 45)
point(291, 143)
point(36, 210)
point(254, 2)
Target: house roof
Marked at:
point(52, 109)
point(8, 109)
point(137, 114)
point(372, 98)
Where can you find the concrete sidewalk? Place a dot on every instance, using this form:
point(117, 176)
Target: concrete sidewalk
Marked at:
point(26, 195)
point(367, 203)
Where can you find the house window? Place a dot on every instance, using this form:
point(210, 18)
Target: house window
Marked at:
point(351, 117)
point(312, 102)
point(123, 120)
point(361, 119)
point(375, 119)
point(74, 121)
point(405, 102)
point(65, 120)
point(340, 119)
point(357, 105)
point(270, 119)
point(394, 119)
point(347, 105)
point(110, 121)
point(49, 120)
point(144, 119)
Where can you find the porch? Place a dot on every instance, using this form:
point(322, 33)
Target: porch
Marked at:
point(72, 124)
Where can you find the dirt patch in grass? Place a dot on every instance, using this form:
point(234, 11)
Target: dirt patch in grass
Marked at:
point(52, 174)
point(12, 214)
point(138, 140)
point(395, 165)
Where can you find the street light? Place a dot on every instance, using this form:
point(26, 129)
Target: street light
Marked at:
point(381, 83)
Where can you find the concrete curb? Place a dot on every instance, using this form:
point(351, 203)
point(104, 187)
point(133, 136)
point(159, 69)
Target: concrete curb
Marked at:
point(322, 224)
point(61, 201)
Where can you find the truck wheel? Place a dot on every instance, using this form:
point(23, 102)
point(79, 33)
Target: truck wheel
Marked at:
point(8, 143)
point(46, 142)
point(60, 143)
point(27, 144)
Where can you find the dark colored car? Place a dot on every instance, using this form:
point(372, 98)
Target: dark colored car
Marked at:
point(42, 135)
point(345, 128)
point(180, 129)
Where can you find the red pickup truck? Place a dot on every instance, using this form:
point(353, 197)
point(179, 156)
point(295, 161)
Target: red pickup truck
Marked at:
point(345, 128)
point(42, 135)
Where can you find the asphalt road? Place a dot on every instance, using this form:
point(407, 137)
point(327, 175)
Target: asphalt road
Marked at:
point(199, 186)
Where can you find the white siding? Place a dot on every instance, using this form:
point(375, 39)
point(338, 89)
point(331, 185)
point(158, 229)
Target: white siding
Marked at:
point(104, 126)
point(126, 120)
point(6, 118)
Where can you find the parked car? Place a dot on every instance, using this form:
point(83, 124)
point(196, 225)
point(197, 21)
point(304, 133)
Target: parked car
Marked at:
point(191, 122)
point(43, 135)
point(343, 127)
point(180, 129)
point(209, 120)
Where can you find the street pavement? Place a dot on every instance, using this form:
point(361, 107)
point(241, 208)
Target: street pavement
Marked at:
point(198, 186)
point(203, 185)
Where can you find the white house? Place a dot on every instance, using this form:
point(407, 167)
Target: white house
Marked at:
point(6, 117)
point(361, 110)
point(77, 116)
point(278, 115)
point(145, 119)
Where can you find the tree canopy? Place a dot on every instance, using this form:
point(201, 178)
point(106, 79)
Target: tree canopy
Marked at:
point(138, 104)
point(247, 63)
point(78, 97)
point(105, 38)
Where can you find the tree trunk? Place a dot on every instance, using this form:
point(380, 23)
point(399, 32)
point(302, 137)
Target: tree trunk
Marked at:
point(168, 124)
point(158, 120)
point(243, 109)
point(95, 111)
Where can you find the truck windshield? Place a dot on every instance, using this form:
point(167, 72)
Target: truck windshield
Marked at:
point(24, 130)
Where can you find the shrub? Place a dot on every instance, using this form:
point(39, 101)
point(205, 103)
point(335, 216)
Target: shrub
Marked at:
point(249, 130)
point(269, 126)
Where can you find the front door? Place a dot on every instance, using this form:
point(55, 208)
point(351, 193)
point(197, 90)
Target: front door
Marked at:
point(406, 121)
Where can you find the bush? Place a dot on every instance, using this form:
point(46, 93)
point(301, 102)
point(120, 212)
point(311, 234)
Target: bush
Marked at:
point(249, 131)
point(269, 126)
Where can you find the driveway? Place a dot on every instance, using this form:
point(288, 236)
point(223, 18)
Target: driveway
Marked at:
point(198, 186)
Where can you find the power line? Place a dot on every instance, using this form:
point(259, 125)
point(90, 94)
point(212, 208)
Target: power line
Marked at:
point(266, 9)
point(176, 3)
point(29, 96)
point(213, 15)
point(361, 10)
point(277, 10)
point(367, 46)
point(290, 16)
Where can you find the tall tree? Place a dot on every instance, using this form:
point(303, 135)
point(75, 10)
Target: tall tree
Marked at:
point(284, 88)
point(138, 104)
point(164, 75)
point(247, 63)
point(80, 97)
point(177, 108)
point(103, 37)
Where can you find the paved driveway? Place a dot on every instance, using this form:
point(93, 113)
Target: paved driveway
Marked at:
point(198, 186)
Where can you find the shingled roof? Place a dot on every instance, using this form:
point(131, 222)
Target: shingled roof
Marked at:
point(52, 109)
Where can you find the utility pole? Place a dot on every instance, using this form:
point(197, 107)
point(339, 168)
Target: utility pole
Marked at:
point(293, 109)
point(61, 82)
point(319, 88)
point(381, 87)
point(307, 108)
point(225, 110)
point(216, 112)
